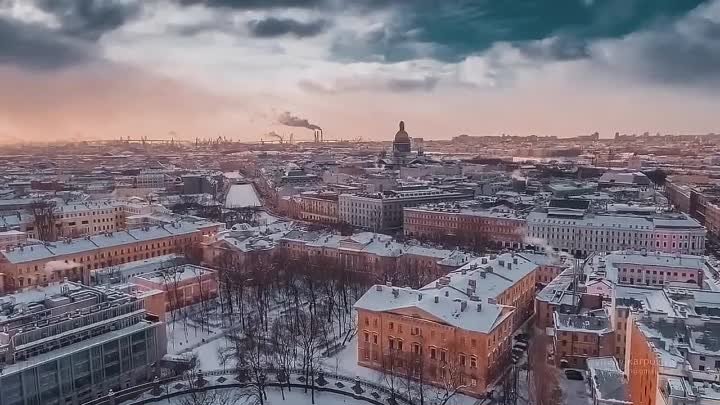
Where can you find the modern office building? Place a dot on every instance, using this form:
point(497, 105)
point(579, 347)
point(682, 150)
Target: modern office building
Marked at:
point(68, 343)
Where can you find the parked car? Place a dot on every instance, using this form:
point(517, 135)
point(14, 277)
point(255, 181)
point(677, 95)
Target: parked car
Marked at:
point(574, 375)
point(521, 346)
point(522, 337)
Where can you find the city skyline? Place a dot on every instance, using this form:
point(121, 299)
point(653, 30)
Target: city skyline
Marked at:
point(77, 70)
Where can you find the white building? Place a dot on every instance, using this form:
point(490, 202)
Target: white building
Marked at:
point(582, 234)
point(12, 238)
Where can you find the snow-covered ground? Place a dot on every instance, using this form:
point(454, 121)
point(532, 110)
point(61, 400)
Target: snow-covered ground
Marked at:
point(295, 397)
point(242, 196)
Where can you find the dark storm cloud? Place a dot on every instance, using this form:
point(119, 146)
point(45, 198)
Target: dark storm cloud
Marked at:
point(275, 27)
point(256, 4)
point(452, 30)
point(36, 47)
point(90, 19)
point(688, 53)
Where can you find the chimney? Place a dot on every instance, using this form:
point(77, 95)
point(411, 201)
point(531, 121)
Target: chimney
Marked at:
point(447, 293)
point(437, 299)
point(463, 306)
point(479, 307)
point(509, 266)
point(395, 292)
point(515, 260)
point(389, 283)
point(420, 297)
point(483, 260)
point(501, 262)
point(378, 287)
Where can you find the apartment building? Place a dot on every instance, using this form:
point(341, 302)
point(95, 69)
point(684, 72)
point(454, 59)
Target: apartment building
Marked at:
point(673, 360)
point(383, 211)
point(319, 207)
point(654, 268)
point(12, 238)
point(373, 254)
point(33, 265)
point(702, 203)
point(461, 323)
point(87, 218)
point(459, 343)
point(629, 298)
point(506, 279)
point(579, 337)
point(68, 343)
point(581, 233)
point(558, 295)
point(75, 219)
point(499, 225)
point(183, 285)
point(608, 385)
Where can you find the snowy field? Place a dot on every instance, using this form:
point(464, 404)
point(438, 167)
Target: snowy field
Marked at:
point(295, 397)
point(242, 196)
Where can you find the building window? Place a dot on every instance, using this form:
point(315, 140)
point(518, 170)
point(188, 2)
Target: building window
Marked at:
point(433, 353)
point(391, 326)
point(473, 362)
point(462, 359)
point(367, 337)
point(375, 338)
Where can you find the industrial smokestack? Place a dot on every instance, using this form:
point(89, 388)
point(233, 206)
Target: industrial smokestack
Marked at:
point(290, 120)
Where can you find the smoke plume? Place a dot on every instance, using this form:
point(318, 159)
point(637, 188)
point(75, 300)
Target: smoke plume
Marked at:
point(290, 120)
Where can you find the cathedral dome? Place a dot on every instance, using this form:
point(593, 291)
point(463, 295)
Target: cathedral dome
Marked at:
point(401, 136)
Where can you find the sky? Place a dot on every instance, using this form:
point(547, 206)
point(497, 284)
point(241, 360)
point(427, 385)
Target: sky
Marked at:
point(103, 69)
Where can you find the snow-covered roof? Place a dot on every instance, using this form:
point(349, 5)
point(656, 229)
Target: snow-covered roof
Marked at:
point(484, 277)
point(91, 243)
point(475, 316)
point(242, 196)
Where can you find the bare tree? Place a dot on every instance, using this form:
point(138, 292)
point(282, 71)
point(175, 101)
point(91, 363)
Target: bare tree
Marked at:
point(392, 370)
point(543, 377)
point(415, 382)
point(252, 354)
point(284, 343)
point(310, 339)
point(198, 395)
point(451, 379)
point(43, 212)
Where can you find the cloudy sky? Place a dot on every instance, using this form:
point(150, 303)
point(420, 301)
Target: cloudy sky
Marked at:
point(80, 69)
